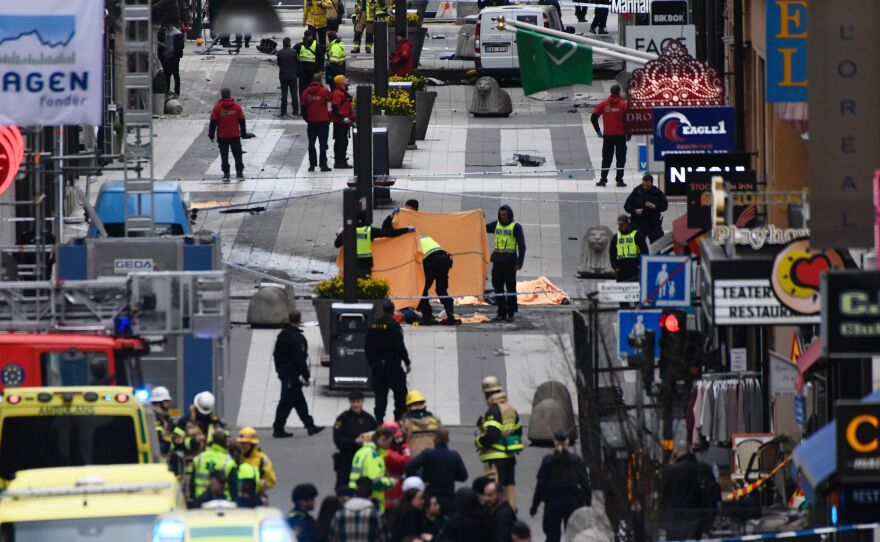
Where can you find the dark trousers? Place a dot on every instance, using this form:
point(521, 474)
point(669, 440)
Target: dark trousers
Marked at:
point(600, 18)
point(556, 513)
point(233, 144)
point(385, 380)
point(340, 143)
point(504, 278)
point(318, 131)
point(342, 466)
point(613, 146)
point(437, 267)
point(581, 13)
point(304, 75)
point(247, 40)
point(289, 86)
point(332, 71)
point(320, 34)
point(171, 68)
point(291, 398)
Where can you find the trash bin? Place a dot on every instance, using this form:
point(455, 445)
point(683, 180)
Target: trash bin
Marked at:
point(349, 324)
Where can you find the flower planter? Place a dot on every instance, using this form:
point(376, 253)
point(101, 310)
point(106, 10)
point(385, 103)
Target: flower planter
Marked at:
point(421, 6)
point(399, 129)
point(417, 36)
point(424, 106)
point(322, 310)
point(158, 104)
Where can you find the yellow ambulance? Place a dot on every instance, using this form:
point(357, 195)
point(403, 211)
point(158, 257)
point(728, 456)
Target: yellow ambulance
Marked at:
point(222, 520)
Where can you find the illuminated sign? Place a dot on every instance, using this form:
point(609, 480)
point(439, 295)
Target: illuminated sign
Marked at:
point(630, 6)
point(797, 275)
point(858, 441)
point(850, 313)
point(11, 155)
point(674, 79)
point(757, 237)
point(693, 130)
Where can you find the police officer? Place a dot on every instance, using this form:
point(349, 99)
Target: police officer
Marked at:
point(563, 486)
point(291, 363)
point(335, 58)
point(624, 250)
point(437, 263)
point(385, 351)
point(499, 438)
point(214, 458)
point(307, 59)
point(507, 259)
point(365, 235)
point(347, 431)
point(160, 398)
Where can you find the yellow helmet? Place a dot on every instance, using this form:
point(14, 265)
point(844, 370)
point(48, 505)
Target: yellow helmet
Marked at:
point(414, 396)
point(248, 434)
point(491, 384)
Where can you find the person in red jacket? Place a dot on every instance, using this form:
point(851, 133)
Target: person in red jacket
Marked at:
point(227, 121)
point(611, 110)
point(341, 116)
point(314, 104)
point(402, 59)
point(397, 457)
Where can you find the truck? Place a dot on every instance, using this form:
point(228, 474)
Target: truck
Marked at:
point(170, 217)
point(48, 427)
point(87, 504)
point(70, 359)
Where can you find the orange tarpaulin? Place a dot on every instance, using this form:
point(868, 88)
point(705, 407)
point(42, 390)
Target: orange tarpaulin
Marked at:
point(461, 234)
point(398, 260)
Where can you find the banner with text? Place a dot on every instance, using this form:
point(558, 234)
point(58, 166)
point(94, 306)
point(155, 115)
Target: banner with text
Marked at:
point(51, 58)
point(786, 50)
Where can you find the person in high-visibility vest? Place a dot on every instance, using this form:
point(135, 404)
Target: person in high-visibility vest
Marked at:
point(307, 55)
point(437, 263)
point(499, 438)
point(365, 234)
point(249, 442)
point(363, 16)
point(507, 259)
point(335, 58)
point(248, 487)
point(369, 462)
point(214, 458)
point(625, 248)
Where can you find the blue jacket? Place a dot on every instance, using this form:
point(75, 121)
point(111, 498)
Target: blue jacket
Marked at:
point(302, 524)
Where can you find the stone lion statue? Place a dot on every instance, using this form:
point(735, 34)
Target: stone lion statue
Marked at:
point(490, 100)
point(595, 261)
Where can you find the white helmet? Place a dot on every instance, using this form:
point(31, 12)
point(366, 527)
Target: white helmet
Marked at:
point(159, 394)
point(204, 402)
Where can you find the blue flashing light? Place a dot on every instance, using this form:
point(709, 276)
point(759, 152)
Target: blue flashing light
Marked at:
point(834, 517)
point(122, 325)
point(142, 395)
point(274, 530)
point(169, 530)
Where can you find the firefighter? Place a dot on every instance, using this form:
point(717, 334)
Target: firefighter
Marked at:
point(419, 425)
point(251, 454)
point(363, 20)
point(160, 398)
point(499, 438)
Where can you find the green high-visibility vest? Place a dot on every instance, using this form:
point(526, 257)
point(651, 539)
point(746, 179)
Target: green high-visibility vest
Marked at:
point(364, 245)
point(510, 427)
point(308, 53)
point(429, 245)
point(247, 471)
point(505, 241)
point(336, 52)
point(627, 248)
point(215, 458)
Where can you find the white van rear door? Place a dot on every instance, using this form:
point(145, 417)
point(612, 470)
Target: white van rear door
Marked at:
point(530, 17)
point(496, 46)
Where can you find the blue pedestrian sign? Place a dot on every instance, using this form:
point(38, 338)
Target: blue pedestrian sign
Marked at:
point(666, 281)
point(632, 324)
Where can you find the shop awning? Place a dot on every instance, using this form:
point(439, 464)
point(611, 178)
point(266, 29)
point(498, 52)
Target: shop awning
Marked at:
point(810, 356)
point(816, 457)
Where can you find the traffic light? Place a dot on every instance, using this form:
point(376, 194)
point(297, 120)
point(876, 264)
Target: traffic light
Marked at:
point(673, 346)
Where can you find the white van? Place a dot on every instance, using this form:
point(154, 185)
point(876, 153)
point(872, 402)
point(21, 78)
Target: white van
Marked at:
point(495, 50)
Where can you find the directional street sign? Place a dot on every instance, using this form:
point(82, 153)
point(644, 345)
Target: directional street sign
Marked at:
point(618, 292)
point(633, 324)
point(666, 281)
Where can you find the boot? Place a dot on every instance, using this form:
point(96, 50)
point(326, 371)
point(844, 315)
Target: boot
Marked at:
point(369, 41)
point(356, 42)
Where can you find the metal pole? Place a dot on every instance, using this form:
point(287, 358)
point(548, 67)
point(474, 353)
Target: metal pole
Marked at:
point(349, 245)
point(399, 16)
point(59, 196)
point(739, 75)
point(365, 146)
point(380, 58)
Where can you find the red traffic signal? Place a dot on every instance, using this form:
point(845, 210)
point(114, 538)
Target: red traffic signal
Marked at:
point(670, 323)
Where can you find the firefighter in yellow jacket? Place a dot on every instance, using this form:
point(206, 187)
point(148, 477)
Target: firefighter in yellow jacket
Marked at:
point(363, 20)
point(369, 462)
point(499, 438)
point(251, 454)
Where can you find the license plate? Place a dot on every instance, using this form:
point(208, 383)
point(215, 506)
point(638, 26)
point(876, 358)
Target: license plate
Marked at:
point(496, 48)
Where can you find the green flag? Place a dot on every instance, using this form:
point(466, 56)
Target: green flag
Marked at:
point(547, 62)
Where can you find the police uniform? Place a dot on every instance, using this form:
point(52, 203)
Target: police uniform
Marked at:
point(563, 486)
point(624, 251)
point(507, 257)
point(291, 363)
point(364, 236)
point(348, 428)
point(306, 63)
point(499, 439)
point(335, 60)
point(437, 263)
point(385, 350)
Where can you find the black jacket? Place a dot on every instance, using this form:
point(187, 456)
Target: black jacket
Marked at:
point(563, 477)
point(291, 355)
point(287, 64)
point(177, 43)
point(440, 468)
point(689, 496)
point(465, 524)
point(650, 219)
point(407, 523)
point(627, 268)
point(501, 520)
point(384, 346)
point(375, 233)
point(504, 258)
point(348, 427)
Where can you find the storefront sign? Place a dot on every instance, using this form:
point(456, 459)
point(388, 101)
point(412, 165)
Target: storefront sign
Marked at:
point(699, 198)
point(752, 301)
point(678, 167)
point(693, 130)
point(668, 12)
point(797, 275)
point(619, 292)
point(651, 39)
point(738, 357)
point(858, 441)
point(638, 121)
point(630, 6)
point(783, 375)
point(786, 50)
point(675, 79)
point(51, 59)
point(851, 313)
point(757, 237)
point(843, 56)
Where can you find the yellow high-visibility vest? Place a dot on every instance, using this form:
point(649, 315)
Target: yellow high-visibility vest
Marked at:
point(364, 245)
point(505, 241)
point(429, 245)
point(308, 53)
point(626, 246)
point(336, 52)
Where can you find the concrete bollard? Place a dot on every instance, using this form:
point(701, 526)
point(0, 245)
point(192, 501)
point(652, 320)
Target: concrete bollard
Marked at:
point(271, 303)
point(552, 411)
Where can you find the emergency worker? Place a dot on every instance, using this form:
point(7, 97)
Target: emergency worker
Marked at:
point(499, 438)
point(624, 250)
point(363, 20)
point(348, 434)
point(248, 489)
point(419, 425)
point(251, 454)
point(365, 234)
point(369, 462)
point(292, 366)
point(437, 263)
point(335, 59)
point(214, 458)
point(160, 398)
point(385, 351)
point(507, 258)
